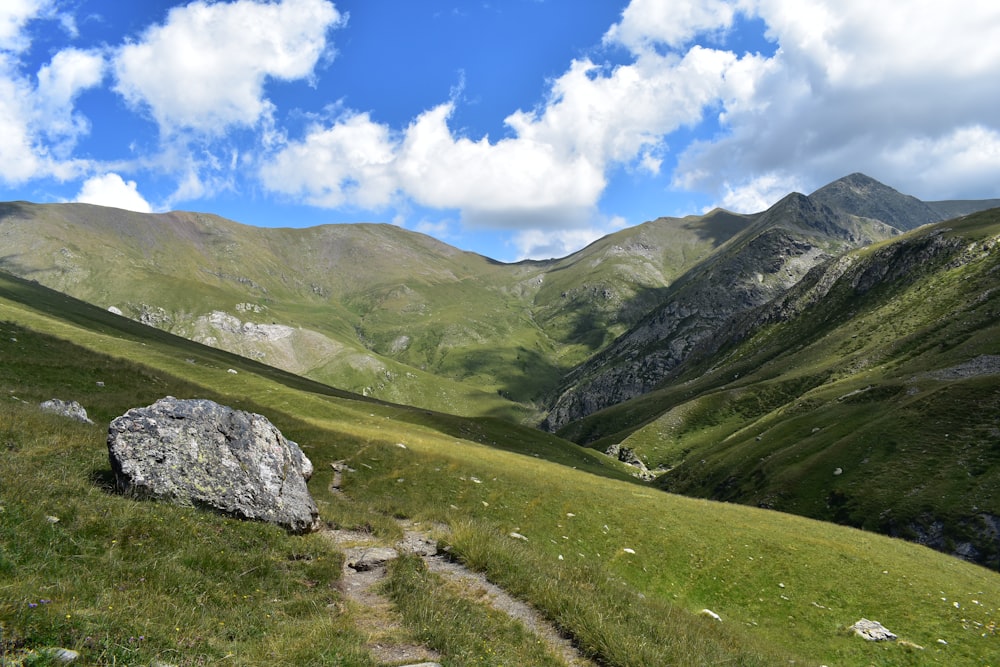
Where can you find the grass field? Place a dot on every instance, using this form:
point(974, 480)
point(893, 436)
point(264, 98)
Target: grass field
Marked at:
point(623, 568)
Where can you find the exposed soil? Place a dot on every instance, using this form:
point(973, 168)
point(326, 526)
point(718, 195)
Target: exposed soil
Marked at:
point(361, 576)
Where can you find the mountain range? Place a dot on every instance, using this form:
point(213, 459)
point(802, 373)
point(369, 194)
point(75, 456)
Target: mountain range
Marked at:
point(834, 356)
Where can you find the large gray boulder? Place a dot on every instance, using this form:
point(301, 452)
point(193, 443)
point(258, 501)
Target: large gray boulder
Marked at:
point(197, 452)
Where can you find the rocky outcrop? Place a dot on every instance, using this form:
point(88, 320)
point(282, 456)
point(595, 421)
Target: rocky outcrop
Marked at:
point(756, 266)
point(628, 456)
point(975, 538)
point(724, 304)
point(197, 452)
point(853, 275)
point(872, 631)
point(70, 409)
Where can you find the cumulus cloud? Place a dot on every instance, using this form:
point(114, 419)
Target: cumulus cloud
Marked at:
point(38, 127)
point(646, 23)
point(205, 68)
point(14, 15)
point(19, 160)
point(758, 192)
point(59, 82)
point(111, 190)
point(897, 90)
point(348, 163)
point(550, 172)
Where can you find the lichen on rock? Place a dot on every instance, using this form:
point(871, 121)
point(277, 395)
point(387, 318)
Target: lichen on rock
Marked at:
point(197, 452)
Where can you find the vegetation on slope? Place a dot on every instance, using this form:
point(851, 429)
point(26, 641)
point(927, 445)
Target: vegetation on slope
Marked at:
point(373, 309)
point(622, 568)
point(867, 396)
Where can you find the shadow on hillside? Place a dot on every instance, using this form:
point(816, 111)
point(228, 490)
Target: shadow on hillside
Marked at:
point(104, 479)
point(523, 375)
point(720, 225)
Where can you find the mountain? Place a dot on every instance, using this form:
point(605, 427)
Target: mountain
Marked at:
point(762, 261)
point(758, 264)
point(370, 308)
point(716, 324)
point(624, 572)
point(867, 394)
point(863, 196)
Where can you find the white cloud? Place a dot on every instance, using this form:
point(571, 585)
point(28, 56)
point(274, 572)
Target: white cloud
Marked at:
point(550, 243)
point(964, 163)
point(647, 22)
point(111, 190)
point(513, 182)
point(904, 91)
point(758, 192)
point(551, 172)
point(19, 160)
point(205, 68)
point(349, 163)
point(38, 127)
point(59, 82)
point(14, 15)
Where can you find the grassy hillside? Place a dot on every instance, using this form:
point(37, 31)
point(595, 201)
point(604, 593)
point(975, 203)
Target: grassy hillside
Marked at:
point(623, 568)
point(770, 253)
point(373, 309)
point(867, 396)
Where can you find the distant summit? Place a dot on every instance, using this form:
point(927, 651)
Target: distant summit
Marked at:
point(861, 195)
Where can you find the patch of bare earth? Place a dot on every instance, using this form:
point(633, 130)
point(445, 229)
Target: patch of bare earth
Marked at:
point(388, 639)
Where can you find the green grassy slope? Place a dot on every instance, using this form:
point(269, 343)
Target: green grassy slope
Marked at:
point(875, 405)
point(623, 568)
point(374, 309)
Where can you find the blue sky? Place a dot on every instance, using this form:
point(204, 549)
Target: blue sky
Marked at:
point(513, 128)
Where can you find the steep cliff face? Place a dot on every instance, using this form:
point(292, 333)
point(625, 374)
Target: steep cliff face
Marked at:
point(756, 266)
point(850, 273)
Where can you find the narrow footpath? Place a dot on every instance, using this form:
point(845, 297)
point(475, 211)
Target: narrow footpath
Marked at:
point(365, 568)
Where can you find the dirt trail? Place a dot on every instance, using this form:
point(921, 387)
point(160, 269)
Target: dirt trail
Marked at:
point(373, 611)
point(365, 568)
point(479, 587)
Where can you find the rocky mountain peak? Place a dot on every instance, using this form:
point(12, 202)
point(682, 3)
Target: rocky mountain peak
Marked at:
point(861, 195)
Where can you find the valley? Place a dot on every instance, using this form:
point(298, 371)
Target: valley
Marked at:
point(832, 360)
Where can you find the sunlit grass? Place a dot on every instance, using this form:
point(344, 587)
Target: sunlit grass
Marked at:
point(622, 568)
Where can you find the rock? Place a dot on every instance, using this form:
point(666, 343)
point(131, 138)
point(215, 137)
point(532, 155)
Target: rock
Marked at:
point(370, 558)
point(872, 631)
point(628, 456)
point(62, 656)
point(70, 409)
point(417, 544)
point(710, 614)
point(910, 645)
point(197, 452)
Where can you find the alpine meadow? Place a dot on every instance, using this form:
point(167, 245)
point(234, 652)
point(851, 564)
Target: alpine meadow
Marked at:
point(718, 439)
